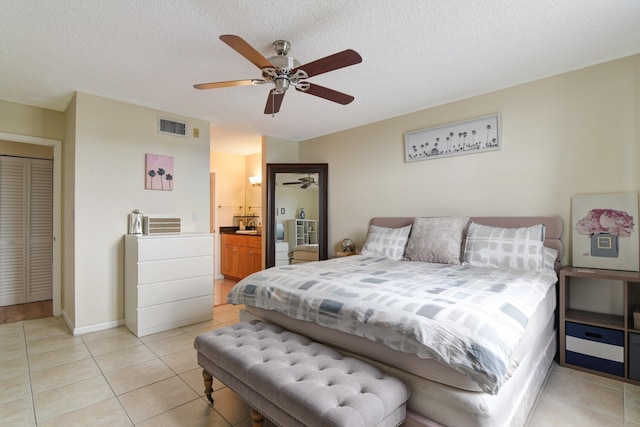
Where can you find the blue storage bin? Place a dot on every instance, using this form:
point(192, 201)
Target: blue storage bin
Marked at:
point(596, 348)
point(634, 356)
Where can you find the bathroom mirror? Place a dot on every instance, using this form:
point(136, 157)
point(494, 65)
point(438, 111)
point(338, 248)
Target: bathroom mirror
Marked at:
point(296, 214)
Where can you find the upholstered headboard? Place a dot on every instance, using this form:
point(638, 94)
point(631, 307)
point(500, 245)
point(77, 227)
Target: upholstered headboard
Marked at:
point(553, 226)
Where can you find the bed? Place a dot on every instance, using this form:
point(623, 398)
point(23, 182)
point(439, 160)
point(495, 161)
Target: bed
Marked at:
point(476, 352)
point(303, 253)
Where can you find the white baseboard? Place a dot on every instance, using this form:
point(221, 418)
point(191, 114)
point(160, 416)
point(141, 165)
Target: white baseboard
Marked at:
point(67, 320)
point(93, 328)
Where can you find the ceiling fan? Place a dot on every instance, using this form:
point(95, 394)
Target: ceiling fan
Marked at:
point(304, 182)
point(285, 71)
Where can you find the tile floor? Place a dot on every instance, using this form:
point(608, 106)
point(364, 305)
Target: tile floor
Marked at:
point(111, 378)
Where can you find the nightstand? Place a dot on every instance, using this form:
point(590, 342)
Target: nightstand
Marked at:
point(343, 254)
point(597, 331)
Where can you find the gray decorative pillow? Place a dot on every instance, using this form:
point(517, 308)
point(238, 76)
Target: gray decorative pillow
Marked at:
point(436, 240)
point(499, 247)
point(386, 242)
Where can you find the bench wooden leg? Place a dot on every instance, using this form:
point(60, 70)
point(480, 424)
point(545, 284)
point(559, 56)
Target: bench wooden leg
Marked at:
point(208, 385)
point(256, 418)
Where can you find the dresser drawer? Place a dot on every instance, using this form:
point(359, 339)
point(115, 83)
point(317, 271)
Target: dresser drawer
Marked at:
point(155, 248)
point(596, 348)
point(175, 290)
point(174, 269)
point(162, 317)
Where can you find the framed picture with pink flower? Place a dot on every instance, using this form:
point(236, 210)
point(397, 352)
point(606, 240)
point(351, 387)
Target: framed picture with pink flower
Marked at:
point(605, 231)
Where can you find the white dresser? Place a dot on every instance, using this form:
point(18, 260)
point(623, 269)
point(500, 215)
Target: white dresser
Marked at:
point(168, 281)
point(282, 252)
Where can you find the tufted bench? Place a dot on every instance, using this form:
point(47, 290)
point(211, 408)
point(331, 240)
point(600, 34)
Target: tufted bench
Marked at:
point(294, 381)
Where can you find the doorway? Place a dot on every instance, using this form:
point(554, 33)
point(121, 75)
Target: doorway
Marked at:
point(57, 221)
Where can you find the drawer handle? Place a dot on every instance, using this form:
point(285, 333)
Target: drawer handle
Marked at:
point(593, 335)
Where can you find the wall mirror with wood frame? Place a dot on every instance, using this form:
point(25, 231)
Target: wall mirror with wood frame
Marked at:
point(296, 214)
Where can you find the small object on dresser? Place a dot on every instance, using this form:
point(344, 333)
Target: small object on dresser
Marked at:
point(347, 245)
point(135, 222)
point(301, 215)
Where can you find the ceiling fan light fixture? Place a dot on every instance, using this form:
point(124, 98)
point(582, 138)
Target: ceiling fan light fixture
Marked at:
point(282, 84)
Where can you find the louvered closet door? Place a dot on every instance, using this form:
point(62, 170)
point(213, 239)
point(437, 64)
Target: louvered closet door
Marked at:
point(40, 231)
point(13, 227)
point(26, 230)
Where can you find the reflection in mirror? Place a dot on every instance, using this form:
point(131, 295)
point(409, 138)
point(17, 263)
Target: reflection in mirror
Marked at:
point(296, 214)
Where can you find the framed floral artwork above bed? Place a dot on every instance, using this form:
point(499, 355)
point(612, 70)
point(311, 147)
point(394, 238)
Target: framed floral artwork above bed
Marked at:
point(159, 174)
point(468, 137)
point(605, 231)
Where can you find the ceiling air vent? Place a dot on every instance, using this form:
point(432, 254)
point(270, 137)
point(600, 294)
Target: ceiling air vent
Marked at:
point(172, 127)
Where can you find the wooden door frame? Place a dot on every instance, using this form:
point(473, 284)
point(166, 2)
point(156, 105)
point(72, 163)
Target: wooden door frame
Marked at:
point(57, 209)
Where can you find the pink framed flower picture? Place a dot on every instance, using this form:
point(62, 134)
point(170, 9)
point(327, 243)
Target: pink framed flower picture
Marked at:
point(159, 174)
point(605, 231)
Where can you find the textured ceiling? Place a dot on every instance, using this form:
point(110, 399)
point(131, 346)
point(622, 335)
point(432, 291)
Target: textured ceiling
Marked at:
point(416, 54)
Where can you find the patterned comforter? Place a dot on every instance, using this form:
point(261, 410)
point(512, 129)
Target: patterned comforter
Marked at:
point(469, 318)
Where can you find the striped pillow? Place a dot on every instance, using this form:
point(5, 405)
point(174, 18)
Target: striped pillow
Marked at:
point(386, 242)
point(498, 247)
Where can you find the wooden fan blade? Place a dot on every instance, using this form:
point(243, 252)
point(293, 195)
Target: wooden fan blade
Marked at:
point(326, 93)
point(230, 83)
point(246, 50)
point(332, 62)
point(273, 102)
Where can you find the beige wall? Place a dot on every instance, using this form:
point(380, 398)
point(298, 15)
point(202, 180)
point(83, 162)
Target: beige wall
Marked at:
point(33, 151)
point(32, 121)
point(569, 134)
point(278, 150)
point(111, 140)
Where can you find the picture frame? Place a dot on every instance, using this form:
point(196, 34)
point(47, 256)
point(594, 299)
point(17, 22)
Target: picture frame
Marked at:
point(468, 137)
point(605, 231)
point(159, 172)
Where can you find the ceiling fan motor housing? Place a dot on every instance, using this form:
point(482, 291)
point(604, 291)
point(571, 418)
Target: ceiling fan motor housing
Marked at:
point(284, 64)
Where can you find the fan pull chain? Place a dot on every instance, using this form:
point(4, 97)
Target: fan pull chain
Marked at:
point(273, 104)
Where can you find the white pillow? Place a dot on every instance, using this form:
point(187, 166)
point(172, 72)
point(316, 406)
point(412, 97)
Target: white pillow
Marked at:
point(386, 242)
point(437, 239)
point(550, 256)
point(498, 247)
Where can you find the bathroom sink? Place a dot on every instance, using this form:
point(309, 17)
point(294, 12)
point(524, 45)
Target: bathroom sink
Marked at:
point(252, 232)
